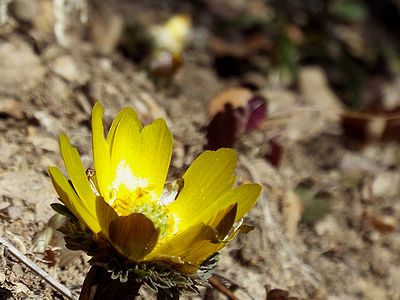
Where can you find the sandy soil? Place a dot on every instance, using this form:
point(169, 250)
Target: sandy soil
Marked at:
point(326, 227)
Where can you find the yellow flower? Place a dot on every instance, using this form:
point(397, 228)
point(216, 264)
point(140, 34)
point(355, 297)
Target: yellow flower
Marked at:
point(127, 202)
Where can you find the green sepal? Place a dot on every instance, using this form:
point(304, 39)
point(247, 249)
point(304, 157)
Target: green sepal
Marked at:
point(63, 210)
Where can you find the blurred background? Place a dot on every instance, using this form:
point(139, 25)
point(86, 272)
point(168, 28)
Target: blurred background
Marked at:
point(307, 92)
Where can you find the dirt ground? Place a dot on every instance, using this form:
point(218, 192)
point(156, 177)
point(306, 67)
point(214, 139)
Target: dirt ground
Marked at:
point(326, 226)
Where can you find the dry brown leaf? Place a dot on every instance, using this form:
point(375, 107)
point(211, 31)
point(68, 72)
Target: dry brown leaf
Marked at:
point(278, 294)
point(381, 223)
point(248, 46)
point(372, 125)
point(236, 96)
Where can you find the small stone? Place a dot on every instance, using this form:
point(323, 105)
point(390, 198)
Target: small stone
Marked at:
point(8, 151)
point(44, 142)
point(317, 93)
point(66, 67)
point(20, 67)
point(44, 22)
point(370, 290)
point(32, 187)
point(11, 107)
point(48, 122)
point(14, 212)
point(2, 279)
point(17, 270)
point(386, 184)
point(21, 290)
point(4, 205)
point(24, 10)
point(326, 226)
point(105, 28)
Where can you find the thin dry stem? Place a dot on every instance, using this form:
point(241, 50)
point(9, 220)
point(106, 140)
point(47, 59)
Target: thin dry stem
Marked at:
point(36, 269)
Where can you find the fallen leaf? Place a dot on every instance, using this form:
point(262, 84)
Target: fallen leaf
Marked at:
point(233, 112)
point(243, 48)
point(275, 152)
point(236, 97)
point(278, 294)
point(316, 205)
point(373, 125)
point(257, 112)
point(222, 130)
point(383, 224)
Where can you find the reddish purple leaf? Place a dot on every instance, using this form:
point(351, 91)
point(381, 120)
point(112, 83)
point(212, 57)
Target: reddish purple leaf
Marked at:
point(222, 130)
point(275, 152)
point(257, 112)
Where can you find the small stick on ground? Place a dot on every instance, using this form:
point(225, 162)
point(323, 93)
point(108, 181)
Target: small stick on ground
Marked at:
point(36, 269)
point(216, 284)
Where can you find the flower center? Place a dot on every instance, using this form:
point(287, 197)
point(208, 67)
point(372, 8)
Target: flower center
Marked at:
point(130, 194)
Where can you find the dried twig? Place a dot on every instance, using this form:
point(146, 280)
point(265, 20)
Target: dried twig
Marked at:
point(233, 283)
point(36, 269)
point(216, 284)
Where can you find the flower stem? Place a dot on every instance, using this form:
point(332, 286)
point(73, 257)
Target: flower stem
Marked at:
point(99, 285)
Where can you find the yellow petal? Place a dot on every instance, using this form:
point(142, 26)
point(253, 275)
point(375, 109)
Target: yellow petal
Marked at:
point(203, 250)
point(105, 215)
point(224, 221)
point(134, 236)
point(55, 176)
point(128, 113)
point(207, 179)
point(187, 250)
point(155, 155)
point(191, 260)
point(71, 200)
point(182, 244)
point(77, 173)
point(243, 228)
point(117, 120)
point(125, 141)
point(101, 152)
point(245, 196)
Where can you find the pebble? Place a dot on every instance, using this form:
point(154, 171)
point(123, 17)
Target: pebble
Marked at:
point(17, 270)
point(14, 212)
point(25, 10)
point(36, 190)
point(386, 184)
point(11, 107)
point(20, 68)
point(66, 67)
